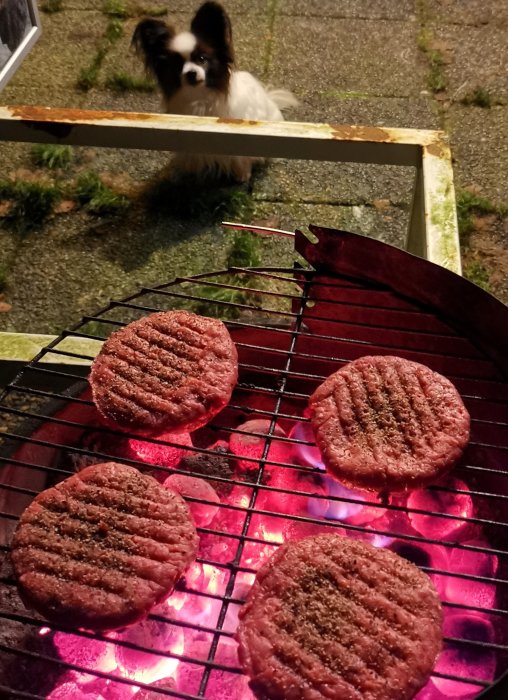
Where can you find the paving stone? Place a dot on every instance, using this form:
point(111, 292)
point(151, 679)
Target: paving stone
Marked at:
point(479, 58)
point(66, 45)
point(468, 12)
point(321, 55)
point(334, 183)
point(335, 108)
point(388, 225)
point(480, 149)
point(42, 95)
point(364, 9)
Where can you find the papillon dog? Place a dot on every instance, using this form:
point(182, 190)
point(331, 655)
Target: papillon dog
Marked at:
point(197, 76)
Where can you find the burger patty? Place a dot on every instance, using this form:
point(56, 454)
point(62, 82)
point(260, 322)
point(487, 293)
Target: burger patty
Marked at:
point(383, 423)
point(331, 617)
point(102, 547)
point(170, 371)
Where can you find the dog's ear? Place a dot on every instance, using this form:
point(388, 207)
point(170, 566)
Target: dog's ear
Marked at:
point(150, 39)
point(212, 26)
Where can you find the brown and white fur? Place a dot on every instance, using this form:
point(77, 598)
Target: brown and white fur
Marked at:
point(197, 76)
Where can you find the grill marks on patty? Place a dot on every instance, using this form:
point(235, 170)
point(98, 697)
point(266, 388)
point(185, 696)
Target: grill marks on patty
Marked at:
point(333, 617)
point(109, 534)
point(385, 422)
point(170, 370)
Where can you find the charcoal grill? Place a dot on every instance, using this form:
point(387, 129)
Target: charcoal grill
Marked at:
point(293, 327)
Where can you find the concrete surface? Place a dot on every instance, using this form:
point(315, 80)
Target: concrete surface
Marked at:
point(357, 62)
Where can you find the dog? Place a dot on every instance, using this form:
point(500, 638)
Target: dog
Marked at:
point(197, 76)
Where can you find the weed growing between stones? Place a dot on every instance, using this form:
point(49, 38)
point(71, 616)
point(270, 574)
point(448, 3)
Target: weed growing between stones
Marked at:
point(477, 273)
point(238, 288)
point(481, 97)
point(31, 203)
point(469, 205)
point(98, 198)
point(51, 156)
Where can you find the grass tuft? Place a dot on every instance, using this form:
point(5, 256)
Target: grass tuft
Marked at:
point(477, 273)
point(32, 202)
point(51, 156)
point(115, 8)
point(51, 6)
point(244, 250)
point(98, 198)
point(89, 76)
point(480, 97)
point(436, 78)
point(114, 30)
point(124, 82)
point(470, 205)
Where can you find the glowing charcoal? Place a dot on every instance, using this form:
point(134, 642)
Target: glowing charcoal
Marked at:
point(72, 690)
point(201, 609)
point(307, 455)
point(425, 555)
point(189, 675)
point(227, 685)
point(156, 453)
point(281, 501)
point(190, 486)
point(109, 689)
point(164, 684)
point(89, 653)
point(435, 502)
point(157, 636)
point(478, 593)
point(463, 660)
point(243, 445)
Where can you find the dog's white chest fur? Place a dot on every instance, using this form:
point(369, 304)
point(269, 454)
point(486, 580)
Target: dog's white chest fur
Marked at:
point(246, 99)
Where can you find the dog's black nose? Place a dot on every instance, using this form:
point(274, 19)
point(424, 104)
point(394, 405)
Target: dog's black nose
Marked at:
point(191, 77)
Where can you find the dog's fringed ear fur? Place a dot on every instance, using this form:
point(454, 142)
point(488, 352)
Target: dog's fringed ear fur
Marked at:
point(212, 26)
point(150, 39)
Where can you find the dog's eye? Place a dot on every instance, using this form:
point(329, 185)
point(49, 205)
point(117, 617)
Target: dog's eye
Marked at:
point(201, 58)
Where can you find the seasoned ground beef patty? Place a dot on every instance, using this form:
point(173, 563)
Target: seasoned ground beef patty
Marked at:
point(329, 617)
point(383, 423)
point(102, 547)
point(170, 371)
